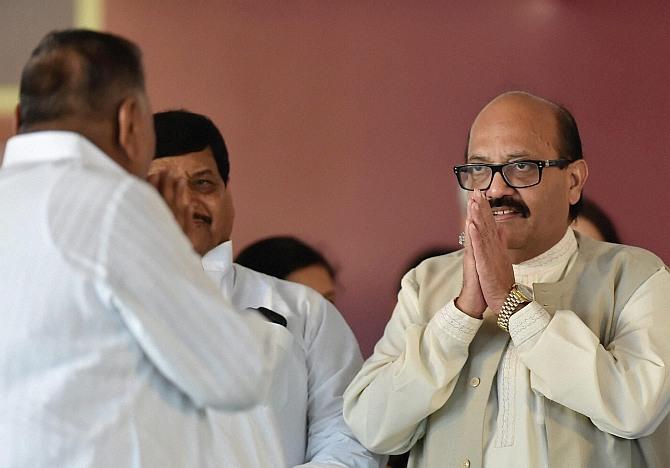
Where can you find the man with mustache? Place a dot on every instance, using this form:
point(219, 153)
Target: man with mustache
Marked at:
point(533, 346)
point(301, 423)
point(114, 342)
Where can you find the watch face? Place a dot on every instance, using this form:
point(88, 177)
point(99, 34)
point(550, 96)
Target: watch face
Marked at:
point(525, 291)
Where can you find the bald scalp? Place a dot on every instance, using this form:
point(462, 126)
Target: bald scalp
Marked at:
point(52, 87)
point(521, 96)
point(78, 74)
point(569, 142)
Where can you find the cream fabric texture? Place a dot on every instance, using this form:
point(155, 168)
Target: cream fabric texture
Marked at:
point(582, 382)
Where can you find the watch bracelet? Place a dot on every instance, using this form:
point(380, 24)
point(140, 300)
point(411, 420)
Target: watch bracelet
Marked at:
point(512, 301)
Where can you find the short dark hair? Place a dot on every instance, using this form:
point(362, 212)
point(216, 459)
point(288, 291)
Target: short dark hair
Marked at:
point(279, 256)
point(569, 140)
point(181, 132)
point(78, 72)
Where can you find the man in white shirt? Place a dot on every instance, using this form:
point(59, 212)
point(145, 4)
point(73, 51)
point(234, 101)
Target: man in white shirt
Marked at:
point(533, 346)
point(114, 343)
point(301, 424)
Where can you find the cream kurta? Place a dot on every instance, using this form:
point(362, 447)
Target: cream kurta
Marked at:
point(515, 420)
point(594, 343)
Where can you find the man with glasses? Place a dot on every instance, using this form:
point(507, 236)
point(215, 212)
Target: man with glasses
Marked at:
point(532, 346)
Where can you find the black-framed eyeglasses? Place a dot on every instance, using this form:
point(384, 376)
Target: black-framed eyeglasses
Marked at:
point(517, 174)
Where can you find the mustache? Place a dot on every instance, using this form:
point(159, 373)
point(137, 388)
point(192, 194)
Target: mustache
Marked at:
point(510, 202)
point(202, 217)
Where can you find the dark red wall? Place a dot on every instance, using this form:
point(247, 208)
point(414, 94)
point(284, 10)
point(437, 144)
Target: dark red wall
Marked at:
point(344, 118)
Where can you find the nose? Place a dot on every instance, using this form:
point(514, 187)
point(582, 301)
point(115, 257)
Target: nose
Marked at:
point(498, 188)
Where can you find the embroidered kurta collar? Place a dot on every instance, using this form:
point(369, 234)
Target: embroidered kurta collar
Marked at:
point(549, 265)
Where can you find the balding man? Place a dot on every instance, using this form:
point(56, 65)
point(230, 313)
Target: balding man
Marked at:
point(113, 345)
point(533, 346)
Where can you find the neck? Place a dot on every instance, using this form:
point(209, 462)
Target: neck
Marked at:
point(528, 252)
point(518, 256)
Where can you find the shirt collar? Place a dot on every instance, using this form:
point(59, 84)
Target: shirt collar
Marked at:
point(218, 264)
point(556, 258)
point(54, 145)
point(220, 258)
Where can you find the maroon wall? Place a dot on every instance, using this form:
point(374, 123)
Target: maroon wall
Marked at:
point(344, 118)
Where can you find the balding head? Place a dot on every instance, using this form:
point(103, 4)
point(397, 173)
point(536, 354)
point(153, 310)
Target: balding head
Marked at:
point(78, 73)
point(560, 133)
point(568, 140)
point(91, 83)
point(524, 153)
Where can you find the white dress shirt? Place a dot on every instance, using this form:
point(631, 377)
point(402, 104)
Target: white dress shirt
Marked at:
point(301, 424)
point(112, 343)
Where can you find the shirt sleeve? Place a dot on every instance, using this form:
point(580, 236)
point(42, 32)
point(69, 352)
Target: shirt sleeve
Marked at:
point(217, 355)
point(623, 388)
point(333, 358)
point(411, 374)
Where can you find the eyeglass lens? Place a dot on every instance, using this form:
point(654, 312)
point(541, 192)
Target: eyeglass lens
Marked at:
point(517, 175)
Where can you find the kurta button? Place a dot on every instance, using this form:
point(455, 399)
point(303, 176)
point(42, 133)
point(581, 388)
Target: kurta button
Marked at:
point(466, 463)
point(475, 383)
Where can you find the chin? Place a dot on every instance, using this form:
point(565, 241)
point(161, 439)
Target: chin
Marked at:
point(200, 246)
point(514, 241)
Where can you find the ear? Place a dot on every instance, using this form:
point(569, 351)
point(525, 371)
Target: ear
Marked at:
point(135, 134)
point(578, 173)
point(17, 118)
point(127, 124)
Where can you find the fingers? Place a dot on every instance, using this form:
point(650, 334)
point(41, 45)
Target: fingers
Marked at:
point(474, 237)
point(493, 267)
point(470, 300)
point(179, 202)
point(164, 184)
point(482, 216)
point(176, 195)
point(475, 225)
point(183, 207)
point(154, 180)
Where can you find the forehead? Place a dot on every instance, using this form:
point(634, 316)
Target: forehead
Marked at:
point(512, 127)
point(188, 163)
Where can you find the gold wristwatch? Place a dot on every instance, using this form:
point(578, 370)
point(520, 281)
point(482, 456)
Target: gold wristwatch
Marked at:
point(517, 296)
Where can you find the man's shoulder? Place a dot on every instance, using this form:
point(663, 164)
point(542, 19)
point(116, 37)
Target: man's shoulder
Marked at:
point(109, 196)
point(307, 312)
point(440, 267)
point(92, 181)
point(619, 255)
point(292, 298)
point(447, 260)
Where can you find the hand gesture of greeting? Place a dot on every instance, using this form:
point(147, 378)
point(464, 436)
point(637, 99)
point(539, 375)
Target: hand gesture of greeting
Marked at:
point(487, 270)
